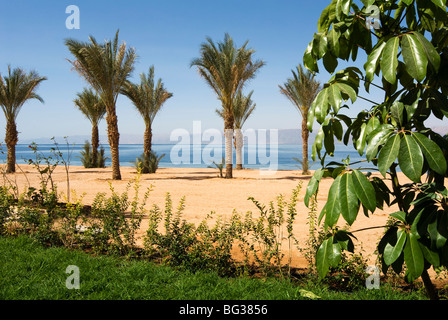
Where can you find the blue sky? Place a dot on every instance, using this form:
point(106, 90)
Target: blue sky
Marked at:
point(164, 33)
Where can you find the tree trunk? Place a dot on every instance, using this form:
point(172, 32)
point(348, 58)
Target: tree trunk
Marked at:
point(239, 142)
point(429, 286)
point(147, 139)
point(147, 146)
point(114, 139)
point(95, 144)
point(305, 135)
point(228, 134)
point(11, 140)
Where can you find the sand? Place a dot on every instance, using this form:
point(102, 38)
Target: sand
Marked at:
point(205, 192)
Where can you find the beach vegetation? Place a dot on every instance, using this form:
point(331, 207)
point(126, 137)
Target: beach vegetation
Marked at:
point(90, 104)
point(148, 98)
point(15, 90)
point(148, 163)
point(226, 69)
point(106, 67)
point(243, 106)
point(86, 156)
point(405, 50)
point(301, 90)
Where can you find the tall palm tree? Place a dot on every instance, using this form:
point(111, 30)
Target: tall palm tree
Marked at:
point(243, 106)
point(301, 90)
point(148, 98)
point(106, 67)
point(90, 104)
point(226, 69)
point(15, 89)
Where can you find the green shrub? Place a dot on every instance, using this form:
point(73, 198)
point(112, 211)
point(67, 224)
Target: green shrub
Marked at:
point(148, 163)
point(86, 157)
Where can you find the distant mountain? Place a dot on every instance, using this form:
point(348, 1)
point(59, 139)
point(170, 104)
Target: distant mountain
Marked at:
point(285, 136)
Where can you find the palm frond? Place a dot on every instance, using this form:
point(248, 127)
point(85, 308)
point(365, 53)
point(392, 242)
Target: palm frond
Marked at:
point(17, 88)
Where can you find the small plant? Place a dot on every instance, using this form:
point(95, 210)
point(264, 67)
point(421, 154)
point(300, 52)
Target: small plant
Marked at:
point(148, 163)
point(6, 202)
point(87, 157)
point(114, 226)
point(267, 231)
point(219, 166)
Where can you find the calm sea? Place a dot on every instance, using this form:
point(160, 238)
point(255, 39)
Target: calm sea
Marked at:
point(194, 156)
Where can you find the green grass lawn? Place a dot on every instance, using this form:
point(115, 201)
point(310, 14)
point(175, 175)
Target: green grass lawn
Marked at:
point(29, 271)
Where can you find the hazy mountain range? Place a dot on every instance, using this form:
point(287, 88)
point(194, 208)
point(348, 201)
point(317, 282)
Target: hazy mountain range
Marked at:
point(285, 136)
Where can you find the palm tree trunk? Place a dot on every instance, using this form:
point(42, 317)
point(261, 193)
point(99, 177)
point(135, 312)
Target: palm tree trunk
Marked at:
point(305, 135)
point(228, 134)
point(239, 142)
point(11, 140)
point(95, 144)
point(147, 139)
point(114, 139)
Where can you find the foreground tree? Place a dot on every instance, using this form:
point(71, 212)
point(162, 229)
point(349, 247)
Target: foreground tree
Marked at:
point(16, 89)
point(243, 106)
point(226, 69)
point(93, 108)
point(406, 45)
point(148, 98)
point(106, 67)
point(301, 90)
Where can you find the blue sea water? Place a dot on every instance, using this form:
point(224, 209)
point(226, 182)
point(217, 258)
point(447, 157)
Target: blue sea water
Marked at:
point(279, 157)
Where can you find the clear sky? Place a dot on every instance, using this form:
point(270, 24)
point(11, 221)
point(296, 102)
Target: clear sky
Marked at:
point(166, 34)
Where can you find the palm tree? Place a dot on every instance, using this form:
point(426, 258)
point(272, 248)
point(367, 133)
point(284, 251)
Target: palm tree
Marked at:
point(226, 69)
point(243, 106)
point(106, 67)
point(148, 98)
point(301, 90)
point(90, 104)
point(15, 89)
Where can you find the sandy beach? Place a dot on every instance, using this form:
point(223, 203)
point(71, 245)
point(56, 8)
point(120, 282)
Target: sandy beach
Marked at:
point(206, 192)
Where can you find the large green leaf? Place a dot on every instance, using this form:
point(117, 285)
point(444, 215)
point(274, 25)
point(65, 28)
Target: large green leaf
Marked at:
point(389, 60)
point(335, 97)
point(413, 256)
point(414, 56)
point(432, 152)
point(360, 143)
point(431, 53)
point(320, 45)
point(333, 41)
point(396, 111)
point(317, 145)
point(322, 257)
point(348, 91)
point(373, 62)
point(431, 256)
point(376, 138)
point(309, 60)
point(313, 185)
point(327, 17)
point(348, 201)
point(391, 253)
point(333, 210)
point(388, 154)
point(440, 3)
point(410, 158)
point(364, 190)
point(320, 105)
